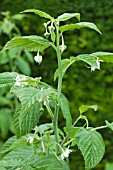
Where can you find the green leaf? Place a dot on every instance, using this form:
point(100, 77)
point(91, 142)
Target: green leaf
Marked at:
point(64, 104)
point(43, 127)
point(91, 145)
point(79, 26)
point(6, 146)
point(67, 16)
point(29, 56)
point(28, 96)
point(29, 122)
point(3, 57)
point(7, 27)
point(66, 63)
point(104, 56)
point(7, 78)
point(92, 61)
point(17, 157)
point(84, 108)
point(6, 121)
point(18, 16)
point(32, 43)
point(50, 162)
point(110, 125)
point(23, 66)
point(38, 12)
point(12, 143)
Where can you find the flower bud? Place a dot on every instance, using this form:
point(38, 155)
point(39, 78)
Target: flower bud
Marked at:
point(38, 58)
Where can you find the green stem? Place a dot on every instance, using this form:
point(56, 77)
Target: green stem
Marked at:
point(76, 121)
point(59, 61)
point(55, 124)
point(67, 135)
point(55, 120)
point(100, 127)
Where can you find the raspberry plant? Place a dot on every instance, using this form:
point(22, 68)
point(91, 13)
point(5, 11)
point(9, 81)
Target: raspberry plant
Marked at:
point(38, 146)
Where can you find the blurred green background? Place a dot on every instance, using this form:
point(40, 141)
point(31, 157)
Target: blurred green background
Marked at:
point(79, 84)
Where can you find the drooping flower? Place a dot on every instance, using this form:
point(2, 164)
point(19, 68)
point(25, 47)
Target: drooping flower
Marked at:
point(66, 153)
point(38, 58)
point(93, 68)
point(63, 46)
point(51, 27)
point(30, 139)
point(46, 34)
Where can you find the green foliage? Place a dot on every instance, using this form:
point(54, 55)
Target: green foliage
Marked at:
point(32, 43)
point(40, 13)
point(23, 66)
point(78, 26)
point(110, 125)
point(91, 146)
point(84, 108)
point(29, 121)
point(34, 95)
point(64, 104)
point(7, 78)
point(66, 16)
point(6, 121)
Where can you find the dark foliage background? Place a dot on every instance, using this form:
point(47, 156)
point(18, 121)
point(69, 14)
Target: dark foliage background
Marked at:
point(79, 85)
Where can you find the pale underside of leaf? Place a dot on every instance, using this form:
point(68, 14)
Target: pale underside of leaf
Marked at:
point(32, 43)
point(38, 12)
point(104, 56)
point(91, 145)
point(79, 26)
point(67, 16)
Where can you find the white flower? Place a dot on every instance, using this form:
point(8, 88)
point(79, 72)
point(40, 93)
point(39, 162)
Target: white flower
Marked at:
point(51, 27)
point(66, 153)
point(20, 81)
point(38, 58)
point(96, 67)
point(30, 139)
point(45, 25)
point(63, 46)
point(46, 34)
